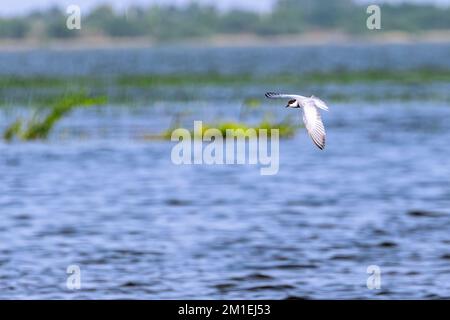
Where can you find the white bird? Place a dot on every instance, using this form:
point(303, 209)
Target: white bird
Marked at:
point(311, 115)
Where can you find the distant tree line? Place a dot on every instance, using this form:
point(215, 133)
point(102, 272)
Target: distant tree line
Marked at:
point(166, 22)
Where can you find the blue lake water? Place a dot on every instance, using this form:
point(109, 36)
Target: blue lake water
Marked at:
point(256, 60)
point(100, 196)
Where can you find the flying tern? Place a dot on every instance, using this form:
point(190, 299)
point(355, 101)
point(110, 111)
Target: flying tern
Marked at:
point(311, 115)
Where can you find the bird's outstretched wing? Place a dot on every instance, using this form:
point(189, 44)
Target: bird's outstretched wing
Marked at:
point(274, 95)
point(314, 125)
point(316, 101)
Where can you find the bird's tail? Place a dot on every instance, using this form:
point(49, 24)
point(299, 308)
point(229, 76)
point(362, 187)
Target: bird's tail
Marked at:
point(319, 103)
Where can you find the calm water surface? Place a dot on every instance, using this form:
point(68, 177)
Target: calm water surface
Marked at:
point(257, 60)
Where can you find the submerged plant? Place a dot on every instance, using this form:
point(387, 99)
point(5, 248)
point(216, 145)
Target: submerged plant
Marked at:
point(39, 127)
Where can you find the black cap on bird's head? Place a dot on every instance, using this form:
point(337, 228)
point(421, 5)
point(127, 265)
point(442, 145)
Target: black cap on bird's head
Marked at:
point(292, 103)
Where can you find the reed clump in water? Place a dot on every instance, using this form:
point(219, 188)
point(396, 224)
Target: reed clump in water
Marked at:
point(40, 126)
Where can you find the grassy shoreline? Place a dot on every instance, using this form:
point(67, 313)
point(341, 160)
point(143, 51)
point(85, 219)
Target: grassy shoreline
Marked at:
point(338, 76)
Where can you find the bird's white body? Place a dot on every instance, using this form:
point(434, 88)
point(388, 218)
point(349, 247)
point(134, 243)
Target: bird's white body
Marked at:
point(311, 115)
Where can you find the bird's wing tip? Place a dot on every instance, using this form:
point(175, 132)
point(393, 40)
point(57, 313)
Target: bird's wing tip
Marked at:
point(271, 94)
point(320, 145)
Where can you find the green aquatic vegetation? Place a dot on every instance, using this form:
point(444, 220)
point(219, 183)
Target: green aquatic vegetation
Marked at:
point(39, 126)
point(127, 89)
point(335, 76)
point(252, 103)
point(149, 80)
point(30, 82)
point(213, 78)
point(188, 79)
point(13, 130)
point(285, 128)
point(397, 76)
